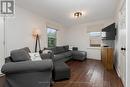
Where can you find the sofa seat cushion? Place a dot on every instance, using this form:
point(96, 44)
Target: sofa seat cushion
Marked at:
point(58, 57)
point(79, 55)
point(62, 55)
point(61, 71)
point(67, 54)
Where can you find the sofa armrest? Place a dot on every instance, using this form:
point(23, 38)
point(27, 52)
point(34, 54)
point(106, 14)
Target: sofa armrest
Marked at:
point(27, 66)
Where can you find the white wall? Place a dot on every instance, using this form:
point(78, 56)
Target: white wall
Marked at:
point(19, 31)
point(128, 45)
point(78, 36)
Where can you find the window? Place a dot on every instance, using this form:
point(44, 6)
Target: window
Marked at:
point(51, 33)
point(95, 39)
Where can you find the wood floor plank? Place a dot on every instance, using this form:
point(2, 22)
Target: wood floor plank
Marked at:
point(2, 80)
point(90, 73)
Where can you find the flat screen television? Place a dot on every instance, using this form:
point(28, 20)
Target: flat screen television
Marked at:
point(109, 32)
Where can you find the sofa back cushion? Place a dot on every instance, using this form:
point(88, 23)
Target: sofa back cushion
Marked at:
point(19, 55)
point(58, 49)
point(66, 48)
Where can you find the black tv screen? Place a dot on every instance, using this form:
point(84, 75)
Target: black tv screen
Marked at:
point(109, 32)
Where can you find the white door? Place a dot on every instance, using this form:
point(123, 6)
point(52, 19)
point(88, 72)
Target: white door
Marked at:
point(122, 43)
point(1, 43)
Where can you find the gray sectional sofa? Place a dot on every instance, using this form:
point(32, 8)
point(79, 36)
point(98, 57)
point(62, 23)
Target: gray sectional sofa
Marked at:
point(63, 54)
point(20, 71)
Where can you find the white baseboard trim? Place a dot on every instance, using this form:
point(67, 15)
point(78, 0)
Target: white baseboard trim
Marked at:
point(118, 73)
point(93, 59)
point(2, 75)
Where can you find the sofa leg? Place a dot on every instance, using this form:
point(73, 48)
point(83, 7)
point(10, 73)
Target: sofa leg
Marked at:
point(52, 82)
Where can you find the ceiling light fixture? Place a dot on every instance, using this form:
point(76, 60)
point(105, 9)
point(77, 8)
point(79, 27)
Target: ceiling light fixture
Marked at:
point(78, 14)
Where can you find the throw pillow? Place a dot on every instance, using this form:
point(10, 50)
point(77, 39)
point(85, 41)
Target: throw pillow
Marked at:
point(66, 48)
point(19, 55)
point(35, 56)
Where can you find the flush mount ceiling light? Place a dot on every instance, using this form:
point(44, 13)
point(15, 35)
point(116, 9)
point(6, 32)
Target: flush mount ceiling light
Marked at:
point(78, 14)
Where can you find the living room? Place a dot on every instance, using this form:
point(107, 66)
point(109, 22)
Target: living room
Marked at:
point(73, 22)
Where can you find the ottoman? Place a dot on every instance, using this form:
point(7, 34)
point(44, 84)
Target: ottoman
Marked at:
point(61, 71)
point(79, 55)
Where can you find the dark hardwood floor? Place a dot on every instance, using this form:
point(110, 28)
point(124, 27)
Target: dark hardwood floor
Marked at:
point(89, 73)
point(2, 79)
